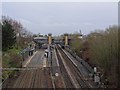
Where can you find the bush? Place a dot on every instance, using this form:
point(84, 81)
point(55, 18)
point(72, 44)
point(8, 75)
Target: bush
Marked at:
point(104, 51)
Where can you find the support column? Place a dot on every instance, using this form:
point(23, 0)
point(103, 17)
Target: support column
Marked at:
point(66, 39)
point(49, 38)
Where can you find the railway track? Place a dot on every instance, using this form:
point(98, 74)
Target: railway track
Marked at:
point(79, 81)
point(36, 78)
point(69, 74)
point(66, 78)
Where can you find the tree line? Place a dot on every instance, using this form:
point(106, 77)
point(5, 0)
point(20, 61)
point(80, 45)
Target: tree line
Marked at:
point(100, 48)
point(14, 34)
point(15, 38)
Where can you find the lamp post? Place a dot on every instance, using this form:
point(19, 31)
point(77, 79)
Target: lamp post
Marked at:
point(17, 35)
point(22, 53)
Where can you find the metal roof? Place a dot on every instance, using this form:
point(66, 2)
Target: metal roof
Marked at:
point(40, 38)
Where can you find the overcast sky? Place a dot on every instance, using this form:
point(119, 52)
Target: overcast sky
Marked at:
point(60, 17)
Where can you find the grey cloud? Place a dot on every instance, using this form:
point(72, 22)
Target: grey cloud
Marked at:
point(58, 18)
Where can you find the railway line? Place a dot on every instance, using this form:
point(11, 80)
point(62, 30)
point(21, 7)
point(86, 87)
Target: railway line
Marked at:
point(62, 73)
point(79, 81)
point(66, 78)
point(37, 78)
